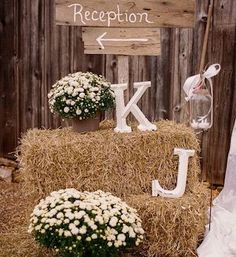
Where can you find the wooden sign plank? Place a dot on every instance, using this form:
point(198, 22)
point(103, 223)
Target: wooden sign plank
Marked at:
point(123, 13)
point(122, 41)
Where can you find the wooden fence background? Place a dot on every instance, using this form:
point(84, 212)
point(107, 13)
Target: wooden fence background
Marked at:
point(34, 53)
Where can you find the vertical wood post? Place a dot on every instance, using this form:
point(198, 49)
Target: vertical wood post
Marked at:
point(123, 69)
point(123, 73)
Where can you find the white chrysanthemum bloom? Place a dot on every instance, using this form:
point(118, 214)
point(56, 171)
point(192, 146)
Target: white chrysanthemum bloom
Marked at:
point(67, 233)
point(66, 109)
point(94, 227)
point(121, 237)
point(83, 230)
point(94, 236)
point(81, 90)
point(82, 206)
point(140, 230)
point(132, 234)
point(82, 95)
point(67, 78)
point(88, 207)
point(66, 221)
point(80, 214)
point(113, 221)
point(75, 231)
point(69, 90)
point(100, 219)
point(75, 93)
point(73, 83)
point(87, 218)
point(76, 222)
point(60, 215)
point(104, 206)
point(131, 220)
point(38, 227)
point(70, 215)
point(111, 238)
point(137, 243)
point(117, 244)
point(114, 231)
point(71, 226)
point(58, 222)
point(92, 95)
point(53, 221)
point(125, 229)
point(53, 211)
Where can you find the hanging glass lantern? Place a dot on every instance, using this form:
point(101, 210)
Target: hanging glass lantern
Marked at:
point(201, 108)
point(199, 91)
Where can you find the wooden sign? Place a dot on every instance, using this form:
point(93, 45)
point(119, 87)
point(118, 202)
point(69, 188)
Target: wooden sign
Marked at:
point(121, 41)
point(123, 13)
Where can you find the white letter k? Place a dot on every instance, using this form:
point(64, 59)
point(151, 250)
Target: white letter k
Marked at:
point(123, 111)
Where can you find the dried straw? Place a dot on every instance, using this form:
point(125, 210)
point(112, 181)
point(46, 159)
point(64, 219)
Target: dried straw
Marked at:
point(174, 227)
point(14, 239)
point(120, 163)
point(123, 164)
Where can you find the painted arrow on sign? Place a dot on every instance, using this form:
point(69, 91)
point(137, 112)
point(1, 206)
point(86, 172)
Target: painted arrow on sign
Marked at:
point(102, 39)
point(122, 41)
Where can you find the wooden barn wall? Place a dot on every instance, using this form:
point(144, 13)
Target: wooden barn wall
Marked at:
point(34, 53)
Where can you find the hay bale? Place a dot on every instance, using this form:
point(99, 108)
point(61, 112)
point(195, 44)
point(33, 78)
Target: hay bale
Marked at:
point(119, 163)
point(124, 164)
point(173, 227)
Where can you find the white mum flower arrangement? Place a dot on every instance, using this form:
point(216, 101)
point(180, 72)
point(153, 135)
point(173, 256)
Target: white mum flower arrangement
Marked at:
point(81, 95)
point(85, 224)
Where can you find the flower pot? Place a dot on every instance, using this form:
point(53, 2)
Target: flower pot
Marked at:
point(86, 125)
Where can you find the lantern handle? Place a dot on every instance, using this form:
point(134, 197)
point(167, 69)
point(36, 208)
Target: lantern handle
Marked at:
point(193, 82)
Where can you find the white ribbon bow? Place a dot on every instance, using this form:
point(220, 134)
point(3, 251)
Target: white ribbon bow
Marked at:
point(193, 82)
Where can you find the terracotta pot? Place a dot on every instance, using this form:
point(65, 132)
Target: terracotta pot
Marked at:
point(86, 125)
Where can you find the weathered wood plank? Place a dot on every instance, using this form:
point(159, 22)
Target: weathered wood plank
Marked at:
point(126, 41)
point(225, 12)
point(9, 114)
point(35, 72)
point(162, 76)
point(122, 13)
point(222, 49)
point(111, 75)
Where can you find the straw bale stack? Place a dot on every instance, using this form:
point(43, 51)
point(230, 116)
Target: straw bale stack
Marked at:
point(124, 164)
